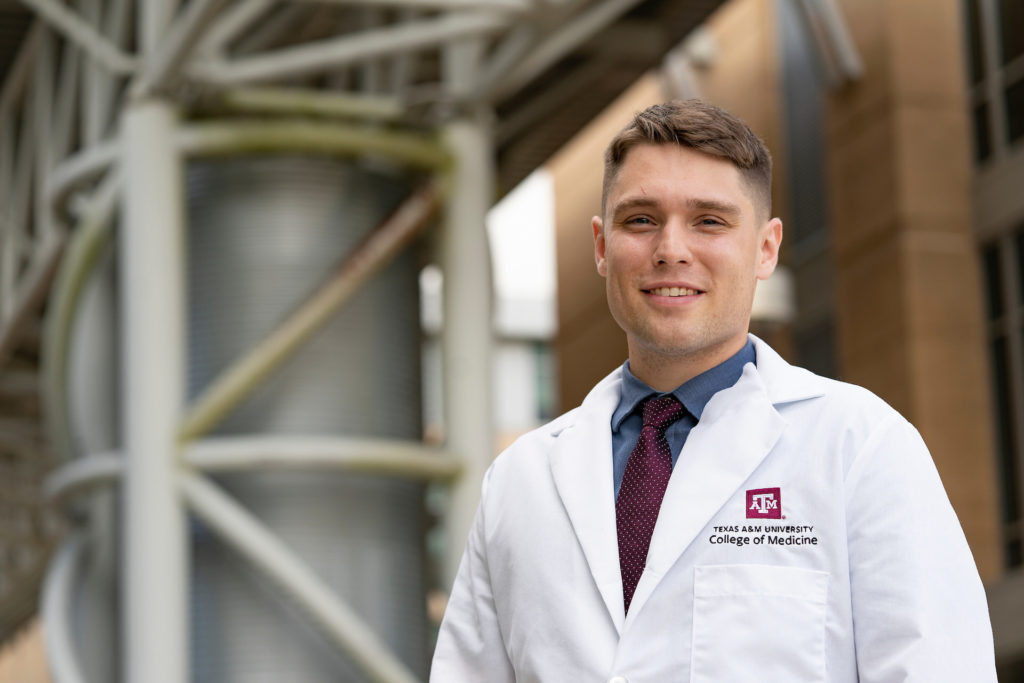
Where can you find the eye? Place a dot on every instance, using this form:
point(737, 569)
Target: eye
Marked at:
point(639, 221)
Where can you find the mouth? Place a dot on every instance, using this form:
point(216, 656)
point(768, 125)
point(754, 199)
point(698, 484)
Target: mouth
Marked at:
point(673, 291)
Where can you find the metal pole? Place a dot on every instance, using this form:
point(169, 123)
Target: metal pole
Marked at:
point(152, 293)
point(466, 337)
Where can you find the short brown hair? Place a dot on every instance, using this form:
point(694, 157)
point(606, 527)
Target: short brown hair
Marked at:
point(703, 127)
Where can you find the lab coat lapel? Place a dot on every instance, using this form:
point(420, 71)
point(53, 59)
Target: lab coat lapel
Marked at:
point(581, 464)
point(737, 429)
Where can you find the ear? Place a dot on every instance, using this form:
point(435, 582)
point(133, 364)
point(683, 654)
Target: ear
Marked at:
point(771, 241)
point(598, 227)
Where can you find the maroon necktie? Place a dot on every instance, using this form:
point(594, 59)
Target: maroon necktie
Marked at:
point(643, 486)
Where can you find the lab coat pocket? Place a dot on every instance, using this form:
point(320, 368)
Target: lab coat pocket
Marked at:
point(758, 623)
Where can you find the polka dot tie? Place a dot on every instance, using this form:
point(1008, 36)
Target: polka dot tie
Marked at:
point(643, 486)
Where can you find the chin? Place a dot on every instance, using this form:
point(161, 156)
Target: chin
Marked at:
point(688, 345)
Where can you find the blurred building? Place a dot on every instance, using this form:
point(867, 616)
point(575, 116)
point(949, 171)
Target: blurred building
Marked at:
point(896, 131)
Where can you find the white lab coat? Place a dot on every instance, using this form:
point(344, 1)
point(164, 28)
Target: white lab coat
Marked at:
point(887, 592)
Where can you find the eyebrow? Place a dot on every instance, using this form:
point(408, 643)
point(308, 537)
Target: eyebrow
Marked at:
point(695, 204)
point(715, 205)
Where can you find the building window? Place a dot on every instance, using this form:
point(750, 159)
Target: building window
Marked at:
point(994, 31)
point(995, 74)
point(1011, 18)
point(1003, 264)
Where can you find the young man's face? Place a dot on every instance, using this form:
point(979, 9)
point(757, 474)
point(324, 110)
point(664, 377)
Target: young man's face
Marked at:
point(681, 247)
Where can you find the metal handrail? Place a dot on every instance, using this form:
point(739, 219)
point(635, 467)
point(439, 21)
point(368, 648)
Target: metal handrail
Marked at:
point(58, 588)
point(83, 474)
point(87, 241)
point(390, 457)
point(386, 457)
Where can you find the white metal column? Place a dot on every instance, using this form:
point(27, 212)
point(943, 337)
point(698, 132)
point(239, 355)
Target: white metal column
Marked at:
point(152, 294)
point(467, 337)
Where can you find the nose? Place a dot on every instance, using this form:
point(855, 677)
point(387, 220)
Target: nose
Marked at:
point(672, 245)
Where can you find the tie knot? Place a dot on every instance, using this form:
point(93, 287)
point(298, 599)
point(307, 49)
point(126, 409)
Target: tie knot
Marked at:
point(662, 411)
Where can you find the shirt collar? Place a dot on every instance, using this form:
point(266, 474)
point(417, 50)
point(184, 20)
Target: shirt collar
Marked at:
point(693, 394)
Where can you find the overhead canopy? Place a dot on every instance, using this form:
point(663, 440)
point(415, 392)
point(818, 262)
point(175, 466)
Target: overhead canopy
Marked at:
point(547, 67)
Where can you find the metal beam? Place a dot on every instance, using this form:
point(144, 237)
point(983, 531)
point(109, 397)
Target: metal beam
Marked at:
point(558, 45)
point(349, 49)
point(374, 456)
point(489, 5)
point(87, 241)
point(299, 102)
point(509, 52)
point(542, 105)
point(151, 258)
point(80, 32)
point(166, 61)
point(42, 99)
point(83, 474)
point(238, 380)
point(31, 291)
point(387, 457)
point(14, 85)
point(233, 137)
point(78, 170)
point(152, 17)
point(65, 109)
point(308, 137)
point(231, 24)
point(267, 552)
point(467, 340)
point(58, 596)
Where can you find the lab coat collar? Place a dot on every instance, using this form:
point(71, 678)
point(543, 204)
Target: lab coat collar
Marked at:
point(740, 425)
point(785, 383)
point(581, 465)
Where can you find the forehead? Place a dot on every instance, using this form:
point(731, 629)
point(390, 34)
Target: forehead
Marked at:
point(667, 173)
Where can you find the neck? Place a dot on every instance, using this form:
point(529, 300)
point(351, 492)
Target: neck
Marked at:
point(665, 373)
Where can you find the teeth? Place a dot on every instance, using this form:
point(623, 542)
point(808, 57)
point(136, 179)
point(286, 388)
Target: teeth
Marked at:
point(673, 291)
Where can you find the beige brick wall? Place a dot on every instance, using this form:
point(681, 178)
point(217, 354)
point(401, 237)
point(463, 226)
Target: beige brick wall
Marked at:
point(909, 320)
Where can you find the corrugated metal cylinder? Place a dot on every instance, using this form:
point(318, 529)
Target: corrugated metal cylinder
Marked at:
point(264, 233)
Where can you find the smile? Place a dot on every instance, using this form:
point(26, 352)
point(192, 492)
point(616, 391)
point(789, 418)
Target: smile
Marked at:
point(673, 291)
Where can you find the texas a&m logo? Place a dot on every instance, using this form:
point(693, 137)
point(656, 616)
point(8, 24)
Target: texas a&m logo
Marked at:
point(764, 503)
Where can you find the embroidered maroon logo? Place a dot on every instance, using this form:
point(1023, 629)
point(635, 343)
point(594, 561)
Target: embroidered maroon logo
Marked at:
point(764, 503)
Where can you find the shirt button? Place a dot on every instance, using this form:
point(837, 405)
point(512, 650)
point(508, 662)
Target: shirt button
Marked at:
point(618, 679)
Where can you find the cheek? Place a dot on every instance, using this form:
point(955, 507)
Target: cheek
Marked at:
point(738, 261)
point(617, 264)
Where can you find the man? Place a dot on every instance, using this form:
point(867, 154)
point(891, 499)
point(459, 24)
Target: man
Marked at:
point(710, 513)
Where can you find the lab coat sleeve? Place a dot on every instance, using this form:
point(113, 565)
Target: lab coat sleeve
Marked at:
point(919, 608)
point(470, 648)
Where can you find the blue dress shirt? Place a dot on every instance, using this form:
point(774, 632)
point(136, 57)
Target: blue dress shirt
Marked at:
point(694, 395)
